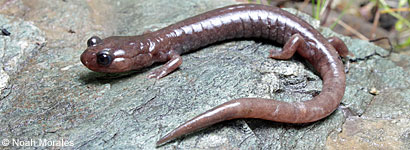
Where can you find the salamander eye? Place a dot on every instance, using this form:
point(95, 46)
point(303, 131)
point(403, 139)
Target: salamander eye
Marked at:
point(94, 40)
point(104, 58)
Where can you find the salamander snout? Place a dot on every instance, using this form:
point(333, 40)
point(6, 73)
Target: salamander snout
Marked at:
point(105, 56)
point(88, 58)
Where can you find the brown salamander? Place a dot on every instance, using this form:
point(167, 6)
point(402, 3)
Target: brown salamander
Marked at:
point(124, 53)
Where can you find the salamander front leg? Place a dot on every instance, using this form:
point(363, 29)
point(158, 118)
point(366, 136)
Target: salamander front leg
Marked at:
point(175, 60)
point(290, 47)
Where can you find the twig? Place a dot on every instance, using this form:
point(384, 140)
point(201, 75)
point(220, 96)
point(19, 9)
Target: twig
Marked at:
point(326, 11)
point(375, 23)
point(349, 28)
point(394, 10)
point(388, 40)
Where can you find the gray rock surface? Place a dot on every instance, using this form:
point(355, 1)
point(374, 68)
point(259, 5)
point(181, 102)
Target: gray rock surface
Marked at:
point(16, 49)
point(55, 98)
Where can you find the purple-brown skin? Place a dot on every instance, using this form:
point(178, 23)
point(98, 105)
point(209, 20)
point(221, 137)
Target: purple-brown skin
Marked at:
point(120, 54)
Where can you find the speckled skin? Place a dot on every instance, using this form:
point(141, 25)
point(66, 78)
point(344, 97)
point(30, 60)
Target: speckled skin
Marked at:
point(237, 21)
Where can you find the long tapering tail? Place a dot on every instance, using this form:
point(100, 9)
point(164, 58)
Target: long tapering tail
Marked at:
point(267, 109)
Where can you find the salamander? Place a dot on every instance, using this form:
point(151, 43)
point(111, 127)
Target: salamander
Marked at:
point(125, 53)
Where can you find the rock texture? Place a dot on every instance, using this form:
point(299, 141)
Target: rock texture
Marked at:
point(24, 41)
point(50, 96)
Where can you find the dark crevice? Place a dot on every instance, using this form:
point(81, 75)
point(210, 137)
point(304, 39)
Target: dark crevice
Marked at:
point(347, 112)
point(375, 53)
point(137, 109)
point(8, 90)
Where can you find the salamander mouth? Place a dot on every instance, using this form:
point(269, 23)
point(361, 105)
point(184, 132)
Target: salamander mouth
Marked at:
point(120, 64)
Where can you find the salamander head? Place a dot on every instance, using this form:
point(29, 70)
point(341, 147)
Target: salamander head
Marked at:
point(112, 55)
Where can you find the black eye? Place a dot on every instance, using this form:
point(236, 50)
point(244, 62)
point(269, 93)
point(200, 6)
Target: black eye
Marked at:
point(94, 40)
point(104, 58)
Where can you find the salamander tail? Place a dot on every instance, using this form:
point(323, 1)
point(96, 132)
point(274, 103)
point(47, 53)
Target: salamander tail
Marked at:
point(223, 112)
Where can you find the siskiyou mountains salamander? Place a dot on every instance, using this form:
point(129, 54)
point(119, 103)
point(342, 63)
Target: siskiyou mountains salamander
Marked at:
point(125, 53)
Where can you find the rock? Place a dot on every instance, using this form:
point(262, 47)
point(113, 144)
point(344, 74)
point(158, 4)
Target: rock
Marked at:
point(16, 49)
point(372, 133)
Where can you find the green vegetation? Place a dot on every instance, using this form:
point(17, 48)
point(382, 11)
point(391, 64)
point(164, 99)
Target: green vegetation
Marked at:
point(403, 24)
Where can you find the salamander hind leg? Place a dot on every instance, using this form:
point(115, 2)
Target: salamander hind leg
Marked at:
point(290, 47)
point(175, 60)
point(340, 46)
point(342, 50)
